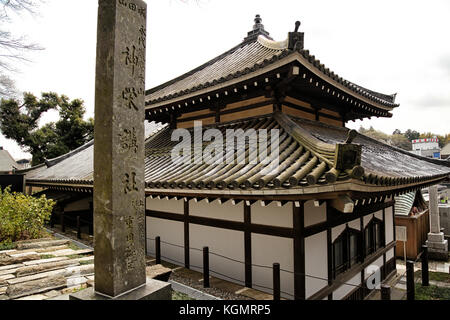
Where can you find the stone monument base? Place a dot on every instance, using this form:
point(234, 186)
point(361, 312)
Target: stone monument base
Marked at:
point(437, 247)
point(153, 290)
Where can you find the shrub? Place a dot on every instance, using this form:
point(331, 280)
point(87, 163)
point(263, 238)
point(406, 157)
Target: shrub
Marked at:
point(22, 217)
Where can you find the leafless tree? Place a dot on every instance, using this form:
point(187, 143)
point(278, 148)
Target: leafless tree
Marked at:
point(13, 47)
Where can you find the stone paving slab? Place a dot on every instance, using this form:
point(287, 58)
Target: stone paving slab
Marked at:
point(11, 266)
point(36, 276)
point(22, 254)
point(42, 244)
point(71, 252)
point(34, 297)
point(254, 294)
point(41, 261)
point(9, 271)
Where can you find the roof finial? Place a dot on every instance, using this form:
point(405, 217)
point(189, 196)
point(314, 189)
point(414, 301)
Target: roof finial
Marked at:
point(258, 22)
point(297, 25)
point(258, 29)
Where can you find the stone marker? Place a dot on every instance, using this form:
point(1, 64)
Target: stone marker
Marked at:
point(437, 245)
point(119, 186)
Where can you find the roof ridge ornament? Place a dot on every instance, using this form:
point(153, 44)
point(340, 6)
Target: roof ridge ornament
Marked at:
point(258, 29)
point(296, 39)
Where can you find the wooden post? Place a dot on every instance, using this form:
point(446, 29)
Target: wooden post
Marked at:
point(276, 281)
point(91, 228)
point(299, 252)
point(248, 246)
point(205, 267)
point(78, 227)
point(63, 227)
point(385, 292)
point(425, 276)
point(158, 250)
point(410, 290)
point(52, 221)
point(187, 260)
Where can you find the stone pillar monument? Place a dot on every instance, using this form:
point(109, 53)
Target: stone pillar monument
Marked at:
point(437, 245)
point(119, 186)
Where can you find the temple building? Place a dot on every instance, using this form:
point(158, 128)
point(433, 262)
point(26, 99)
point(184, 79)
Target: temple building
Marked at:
point(323, 208)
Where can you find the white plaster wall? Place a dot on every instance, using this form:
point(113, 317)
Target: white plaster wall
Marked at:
point(390, 254)
point(345, 289)
point(226, 211)
point(171, 206)
point(272, 214)
point(336, 231)
point(227, 243)
point(368, 270)
point(316, 263)
point(169, 231)
point(267, 250)
point(313, 214)
point(367, 219)
point(379, 215)
point(389, 225)
point(355, 224)
point(79, 205)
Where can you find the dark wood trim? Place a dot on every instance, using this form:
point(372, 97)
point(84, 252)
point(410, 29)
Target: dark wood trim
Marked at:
point(329, 253)
point(187, 260)
point(248, 246)
point(384, 227)
point(199, 117)
point(314, 111)
point(224, 224)
point(249, 107)
point(343, 278)
point(299, 252)
point(342, 218)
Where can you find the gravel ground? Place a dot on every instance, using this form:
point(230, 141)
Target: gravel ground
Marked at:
point(71, 233)
point(225, 295)
point(219, 293)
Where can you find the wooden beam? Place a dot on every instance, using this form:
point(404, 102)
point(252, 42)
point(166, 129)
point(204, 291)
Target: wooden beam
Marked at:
point(224, 224)
point(343, 204)
point(339, 218)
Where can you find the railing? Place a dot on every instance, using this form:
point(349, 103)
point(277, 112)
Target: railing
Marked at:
point(275, 270)
point(75, 217)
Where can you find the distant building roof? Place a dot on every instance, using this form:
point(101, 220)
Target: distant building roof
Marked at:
point(7, 163)
point(446, 150)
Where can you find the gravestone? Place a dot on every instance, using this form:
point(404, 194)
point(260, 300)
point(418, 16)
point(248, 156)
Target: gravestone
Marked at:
point(119, 186)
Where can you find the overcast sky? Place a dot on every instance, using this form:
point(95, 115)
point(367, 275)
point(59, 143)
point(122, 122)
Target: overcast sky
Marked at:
point(388, 46)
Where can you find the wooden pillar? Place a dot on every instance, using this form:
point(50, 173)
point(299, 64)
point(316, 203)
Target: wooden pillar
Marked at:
point(362, 241)
point(299, 252)
point(248, 245)
point(186, 236)
point(329, 252)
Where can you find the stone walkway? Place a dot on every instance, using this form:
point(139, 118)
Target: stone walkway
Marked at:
point(44, 269)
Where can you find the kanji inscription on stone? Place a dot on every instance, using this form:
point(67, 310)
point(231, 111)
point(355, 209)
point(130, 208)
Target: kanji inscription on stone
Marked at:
point(119, 187)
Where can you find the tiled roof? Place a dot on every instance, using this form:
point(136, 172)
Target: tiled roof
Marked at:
point(76, 166)
point(404, 203)
point(307, 152)
point(253, 54)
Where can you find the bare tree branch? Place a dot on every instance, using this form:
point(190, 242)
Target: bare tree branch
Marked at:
point(7, 88)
